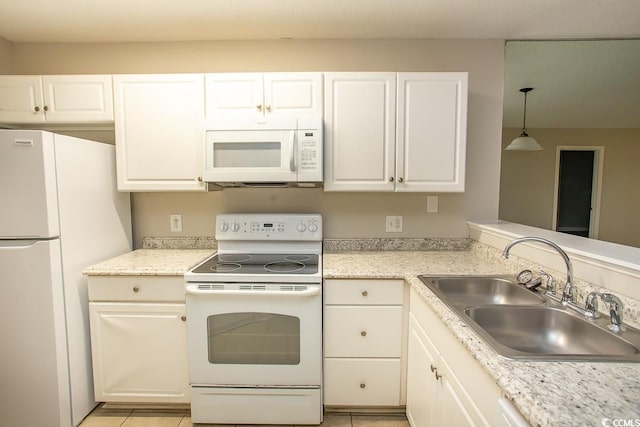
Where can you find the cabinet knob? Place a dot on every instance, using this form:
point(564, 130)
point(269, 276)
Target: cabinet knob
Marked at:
point(37, 109)
point(259, 107)
point(268, 108)
point(365, 293)
point(362, 385)
point(199, 179)
point(400, 179)
point(46, 108)
point(363, 333)
point(390, 179)
point(183, 318)
point(136, 289)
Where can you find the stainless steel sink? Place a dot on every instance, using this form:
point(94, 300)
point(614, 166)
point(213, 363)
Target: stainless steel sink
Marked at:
point(469, 291)
point(547, 332)
point(522, 324)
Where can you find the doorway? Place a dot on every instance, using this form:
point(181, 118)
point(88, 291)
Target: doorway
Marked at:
point(577, 190)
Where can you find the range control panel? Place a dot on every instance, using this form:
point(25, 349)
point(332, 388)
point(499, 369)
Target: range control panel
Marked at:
point(302, 227)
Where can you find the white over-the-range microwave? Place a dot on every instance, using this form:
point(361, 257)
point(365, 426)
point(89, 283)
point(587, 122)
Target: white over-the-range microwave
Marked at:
point(278, 152)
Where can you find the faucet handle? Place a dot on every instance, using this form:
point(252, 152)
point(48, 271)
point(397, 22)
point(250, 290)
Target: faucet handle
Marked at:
point(551, 282)
point(591, 305)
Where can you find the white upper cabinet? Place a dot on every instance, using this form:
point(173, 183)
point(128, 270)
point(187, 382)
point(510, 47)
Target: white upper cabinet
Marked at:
point(159, 132)
point(359, 136)
point(431, 132)
point(395, 132)
point(260, 96)
point(56, 99)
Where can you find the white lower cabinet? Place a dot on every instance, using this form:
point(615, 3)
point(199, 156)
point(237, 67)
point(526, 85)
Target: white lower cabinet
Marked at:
point(363, 329)
point(138, 339)
point(445, 385)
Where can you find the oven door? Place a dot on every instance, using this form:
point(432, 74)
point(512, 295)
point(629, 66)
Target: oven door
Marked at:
point(258, 335)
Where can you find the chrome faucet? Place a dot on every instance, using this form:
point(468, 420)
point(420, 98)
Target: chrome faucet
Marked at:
point(569, 292)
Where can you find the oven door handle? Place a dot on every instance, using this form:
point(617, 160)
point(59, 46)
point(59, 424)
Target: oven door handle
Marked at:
point(194, 290)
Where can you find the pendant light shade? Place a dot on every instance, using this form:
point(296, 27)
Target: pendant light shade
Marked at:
point(524, 142)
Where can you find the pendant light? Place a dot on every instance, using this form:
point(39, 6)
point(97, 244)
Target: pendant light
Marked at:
point(524, 142)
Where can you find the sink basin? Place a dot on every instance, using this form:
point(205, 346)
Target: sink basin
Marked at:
point(467, 291)
point(522, 324)
point(549, 333)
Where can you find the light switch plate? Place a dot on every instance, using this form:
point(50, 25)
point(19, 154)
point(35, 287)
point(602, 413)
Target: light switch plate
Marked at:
point(432, 204)
point(175, 222)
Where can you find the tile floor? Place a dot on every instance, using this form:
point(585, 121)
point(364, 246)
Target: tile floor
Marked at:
point(102, 417)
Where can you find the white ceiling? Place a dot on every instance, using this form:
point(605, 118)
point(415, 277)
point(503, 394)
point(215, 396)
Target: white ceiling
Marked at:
point(602, 80)
point(182, 20)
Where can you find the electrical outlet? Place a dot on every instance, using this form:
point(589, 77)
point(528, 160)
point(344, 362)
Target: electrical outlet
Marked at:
point(175, 221)
point(394, 224)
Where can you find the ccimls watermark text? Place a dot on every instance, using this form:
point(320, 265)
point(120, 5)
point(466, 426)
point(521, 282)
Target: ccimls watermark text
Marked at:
point(620, 422)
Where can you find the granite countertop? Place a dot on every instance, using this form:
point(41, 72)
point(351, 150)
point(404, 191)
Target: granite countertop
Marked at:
point(546, 393)
point(150, 262)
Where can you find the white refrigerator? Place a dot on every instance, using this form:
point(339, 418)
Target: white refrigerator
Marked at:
point(60, 212)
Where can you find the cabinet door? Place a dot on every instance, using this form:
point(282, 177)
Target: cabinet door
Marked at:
point(21, 99)
point(431, 135)
point(293, 94)
point(139, 352)
point(360, 131)
point(234, 95)
point(78, 98)
point(456, 408)
point(422, 386)
point(159, 132)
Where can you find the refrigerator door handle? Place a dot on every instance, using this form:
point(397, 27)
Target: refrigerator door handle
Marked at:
point(18, 244)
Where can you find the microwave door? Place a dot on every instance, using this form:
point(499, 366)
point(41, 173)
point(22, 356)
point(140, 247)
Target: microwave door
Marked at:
point(251, 156)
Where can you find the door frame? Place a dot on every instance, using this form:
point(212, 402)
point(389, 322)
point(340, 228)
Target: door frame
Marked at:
point(596, 185)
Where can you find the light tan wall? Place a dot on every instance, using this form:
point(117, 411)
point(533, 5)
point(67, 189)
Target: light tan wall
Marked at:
point(346, 215)
point(528, 178)
point(6, 59)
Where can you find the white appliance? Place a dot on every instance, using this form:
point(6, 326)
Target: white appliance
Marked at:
point(60, 213)
point(254, 322)
point(277, 153)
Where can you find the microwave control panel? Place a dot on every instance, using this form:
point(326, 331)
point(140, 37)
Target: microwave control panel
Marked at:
point(309, 154)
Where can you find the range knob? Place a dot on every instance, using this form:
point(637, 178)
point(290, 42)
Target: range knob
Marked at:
point(313, 227)
point(224, 227)
point(235, 227)
point(302, 227)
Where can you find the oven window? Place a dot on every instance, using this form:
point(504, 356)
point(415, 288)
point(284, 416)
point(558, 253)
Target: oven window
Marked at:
point(253, 339)
point(246, 154)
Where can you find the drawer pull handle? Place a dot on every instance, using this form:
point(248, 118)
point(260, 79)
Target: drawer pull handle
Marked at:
point(362, 385)
point(365, 293)
point(136, 289)
point(183, 318)
point(363, 333)
point(435, 371)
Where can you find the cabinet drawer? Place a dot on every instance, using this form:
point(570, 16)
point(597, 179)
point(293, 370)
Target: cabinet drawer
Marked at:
point(372, 292)
point(362, 382)
point(361, 331)
point(135, 288)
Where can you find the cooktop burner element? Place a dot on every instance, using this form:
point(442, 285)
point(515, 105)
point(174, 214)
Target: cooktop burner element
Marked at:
point(284, 267)
point(224, 267)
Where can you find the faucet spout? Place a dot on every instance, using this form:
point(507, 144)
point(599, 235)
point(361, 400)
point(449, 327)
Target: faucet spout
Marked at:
point(568, 295)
